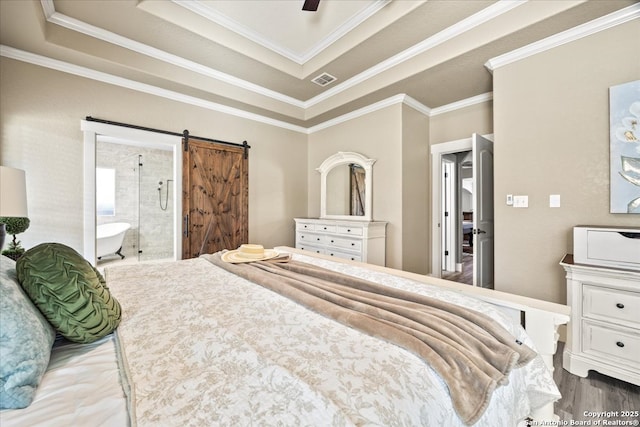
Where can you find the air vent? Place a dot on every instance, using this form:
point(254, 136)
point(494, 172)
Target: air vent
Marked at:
point(324, 79)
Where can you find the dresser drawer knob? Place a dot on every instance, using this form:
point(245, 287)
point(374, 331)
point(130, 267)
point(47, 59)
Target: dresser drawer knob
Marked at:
point(318, 239)
point(353, 244)
point(620, 344)
point(620, 305)
point(332, 241)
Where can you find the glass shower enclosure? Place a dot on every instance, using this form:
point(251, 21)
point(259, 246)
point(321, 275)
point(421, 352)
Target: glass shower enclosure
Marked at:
point(134, 185)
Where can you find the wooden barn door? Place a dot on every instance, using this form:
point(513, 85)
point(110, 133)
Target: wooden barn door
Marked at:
point(215, 197)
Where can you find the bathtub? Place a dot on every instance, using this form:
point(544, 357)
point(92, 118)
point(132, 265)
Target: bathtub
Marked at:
point(109, 238)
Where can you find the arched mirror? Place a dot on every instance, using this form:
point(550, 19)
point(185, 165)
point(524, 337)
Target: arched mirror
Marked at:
point(346, 186)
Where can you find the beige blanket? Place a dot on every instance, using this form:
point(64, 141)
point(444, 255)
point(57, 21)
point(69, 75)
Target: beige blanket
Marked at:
point(471, 352)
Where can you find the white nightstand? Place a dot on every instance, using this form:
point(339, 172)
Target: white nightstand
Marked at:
point(604, 331)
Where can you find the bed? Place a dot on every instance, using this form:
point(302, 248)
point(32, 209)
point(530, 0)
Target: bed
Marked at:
point(467, 231)
point(200, 345)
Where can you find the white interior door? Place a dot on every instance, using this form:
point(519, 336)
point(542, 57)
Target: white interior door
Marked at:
point(483, 239)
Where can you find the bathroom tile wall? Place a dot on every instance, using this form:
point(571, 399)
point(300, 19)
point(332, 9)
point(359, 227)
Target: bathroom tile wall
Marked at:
point(137, 198)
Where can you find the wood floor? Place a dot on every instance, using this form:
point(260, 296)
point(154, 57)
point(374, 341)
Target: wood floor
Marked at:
point(596, 393)
point(464, 276)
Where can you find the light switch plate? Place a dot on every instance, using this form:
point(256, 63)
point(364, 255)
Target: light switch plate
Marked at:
point(554, 201)
point(520, 201)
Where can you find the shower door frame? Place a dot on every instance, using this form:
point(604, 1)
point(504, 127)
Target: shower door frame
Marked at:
point(134, 137)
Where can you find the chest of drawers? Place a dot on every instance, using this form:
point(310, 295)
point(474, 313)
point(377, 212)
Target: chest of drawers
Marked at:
point(355, 240)
point(604, 332)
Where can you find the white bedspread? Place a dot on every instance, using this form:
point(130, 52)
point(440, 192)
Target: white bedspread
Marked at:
point(205, 347)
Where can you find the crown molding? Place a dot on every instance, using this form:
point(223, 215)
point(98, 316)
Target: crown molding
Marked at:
point(408, 101)
point(73, 24)
point(448, 33)
point(467, 24)
point(201, 9)
point(65, 67)
point(48, 8)
point(491, 12)
point(357, 113)
point(345, 28)
point(417, 105)
point(600, 24)
point(478, 99)
point(210, 14)
point(393, 100)
point(88, 73)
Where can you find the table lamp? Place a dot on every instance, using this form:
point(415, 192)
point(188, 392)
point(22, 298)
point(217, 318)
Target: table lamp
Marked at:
point(13, 196)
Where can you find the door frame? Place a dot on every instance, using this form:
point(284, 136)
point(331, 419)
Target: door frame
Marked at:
point(134, 137)
point(437, 151)
point(449, 229)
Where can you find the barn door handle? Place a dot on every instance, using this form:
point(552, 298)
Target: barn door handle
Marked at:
point(185, 226)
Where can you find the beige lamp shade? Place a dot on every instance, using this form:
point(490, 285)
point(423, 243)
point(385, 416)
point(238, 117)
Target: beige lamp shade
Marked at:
point(13, 193)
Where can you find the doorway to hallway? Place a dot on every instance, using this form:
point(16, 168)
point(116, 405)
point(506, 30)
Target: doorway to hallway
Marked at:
point(462, 211)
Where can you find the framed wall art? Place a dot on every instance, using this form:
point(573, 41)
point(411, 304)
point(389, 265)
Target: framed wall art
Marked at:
point(624, 112)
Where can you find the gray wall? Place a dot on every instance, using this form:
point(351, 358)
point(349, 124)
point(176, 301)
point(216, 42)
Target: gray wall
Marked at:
point(40, 114)
point(552, 137)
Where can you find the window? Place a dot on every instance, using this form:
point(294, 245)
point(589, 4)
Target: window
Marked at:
point(105, 192)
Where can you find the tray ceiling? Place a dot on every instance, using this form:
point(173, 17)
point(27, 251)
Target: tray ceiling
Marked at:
point(260, 56)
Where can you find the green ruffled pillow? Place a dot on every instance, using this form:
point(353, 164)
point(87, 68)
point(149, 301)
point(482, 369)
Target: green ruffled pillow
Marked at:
point(69, 292)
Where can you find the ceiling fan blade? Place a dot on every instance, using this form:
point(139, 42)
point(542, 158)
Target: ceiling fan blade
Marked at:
point(310, 5)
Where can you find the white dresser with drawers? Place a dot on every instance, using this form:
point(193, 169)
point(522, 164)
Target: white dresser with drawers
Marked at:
point(350, 239)
point(604, 332)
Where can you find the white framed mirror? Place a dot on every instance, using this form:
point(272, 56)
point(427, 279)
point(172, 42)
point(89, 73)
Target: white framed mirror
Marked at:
point(346, 186)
